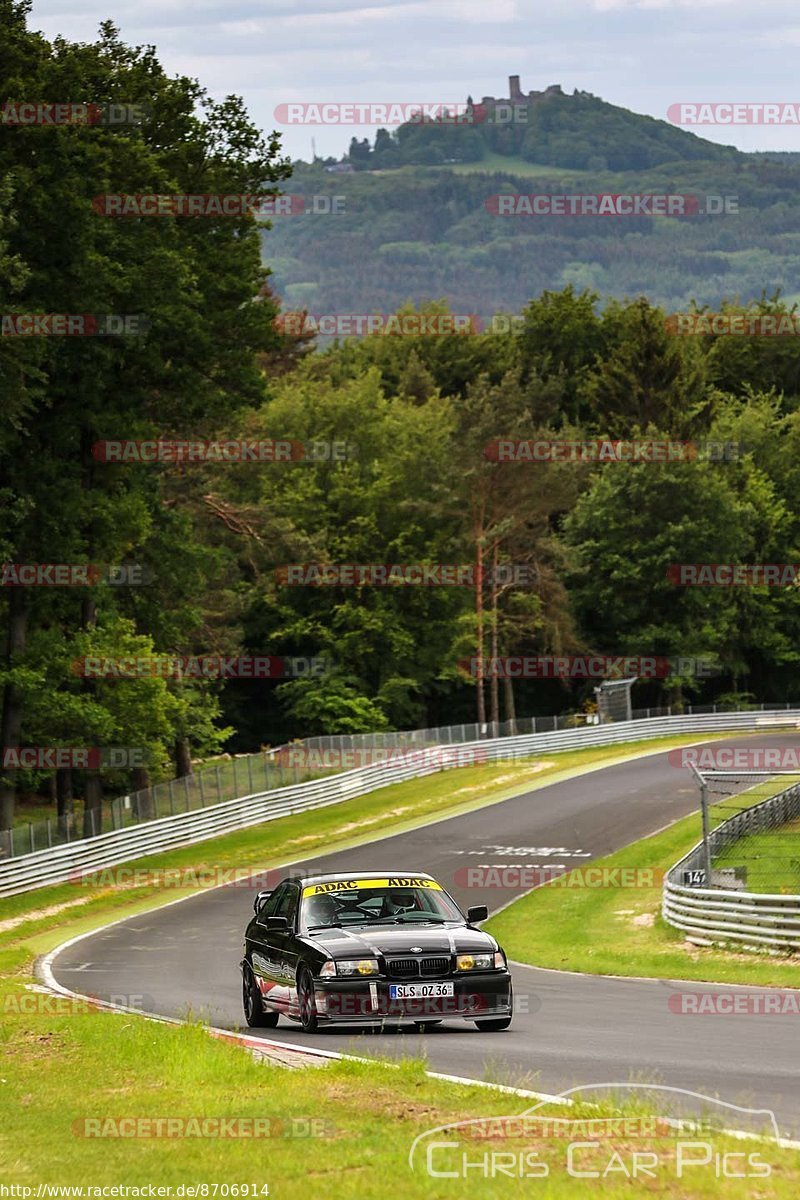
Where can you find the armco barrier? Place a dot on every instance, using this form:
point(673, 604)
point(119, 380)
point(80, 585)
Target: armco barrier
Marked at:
point(67, 861)
point(720, 915)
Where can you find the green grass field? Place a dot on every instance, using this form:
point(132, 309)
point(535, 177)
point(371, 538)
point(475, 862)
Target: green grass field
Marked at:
point(771, 859)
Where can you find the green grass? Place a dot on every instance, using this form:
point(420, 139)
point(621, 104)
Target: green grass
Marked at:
point(619, 930)
point(493, 163)
point(772, 859)
point(61, 1067)
point(58, 1072)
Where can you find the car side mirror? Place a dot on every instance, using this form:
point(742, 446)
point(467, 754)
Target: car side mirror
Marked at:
point(259, 900)
point(479, 912)
point(277, 923)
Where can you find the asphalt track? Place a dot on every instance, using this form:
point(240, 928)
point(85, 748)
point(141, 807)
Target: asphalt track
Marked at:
point(569, 1029)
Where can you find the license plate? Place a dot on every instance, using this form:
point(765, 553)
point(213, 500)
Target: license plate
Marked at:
point(418, 991)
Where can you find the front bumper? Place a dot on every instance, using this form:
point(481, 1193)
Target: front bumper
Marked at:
point(484, 994)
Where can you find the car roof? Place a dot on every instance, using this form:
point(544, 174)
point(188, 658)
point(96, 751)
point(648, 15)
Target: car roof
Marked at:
point(364, 873)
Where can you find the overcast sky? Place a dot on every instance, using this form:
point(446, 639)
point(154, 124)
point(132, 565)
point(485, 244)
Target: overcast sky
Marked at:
point(642, 54)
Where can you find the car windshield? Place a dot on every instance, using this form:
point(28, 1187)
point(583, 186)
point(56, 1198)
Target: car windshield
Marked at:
point(376, 901)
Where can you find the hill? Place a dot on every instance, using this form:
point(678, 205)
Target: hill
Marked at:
point(417, 231)
point(578, 131)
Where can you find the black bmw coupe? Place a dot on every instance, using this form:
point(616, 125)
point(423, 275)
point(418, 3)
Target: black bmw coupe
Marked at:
point(370, 948)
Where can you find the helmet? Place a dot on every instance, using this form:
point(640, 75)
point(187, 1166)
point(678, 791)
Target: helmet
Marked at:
point(321, 910)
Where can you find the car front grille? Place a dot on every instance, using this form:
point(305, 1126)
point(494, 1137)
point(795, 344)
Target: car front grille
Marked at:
point(412, 968)
point(435, 966)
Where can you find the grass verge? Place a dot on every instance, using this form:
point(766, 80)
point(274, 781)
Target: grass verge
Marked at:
point(76, 1087)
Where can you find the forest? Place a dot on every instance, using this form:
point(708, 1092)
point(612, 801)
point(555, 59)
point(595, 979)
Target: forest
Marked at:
point(377, 450)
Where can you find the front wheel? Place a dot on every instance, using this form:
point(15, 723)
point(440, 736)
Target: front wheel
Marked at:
point(491, 1024)
point(307, 1002)
point(251, 1002)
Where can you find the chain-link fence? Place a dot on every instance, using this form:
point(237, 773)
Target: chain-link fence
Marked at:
point(251, 773)
point(227, 780)
point(754, 841)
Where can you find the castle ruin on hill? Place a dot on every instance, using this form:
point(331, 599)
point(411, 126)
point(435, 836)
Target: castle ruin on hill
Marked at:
point(517, 96)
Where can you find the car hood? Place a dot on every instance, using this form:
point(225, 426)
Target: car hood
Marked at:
point(393, 939)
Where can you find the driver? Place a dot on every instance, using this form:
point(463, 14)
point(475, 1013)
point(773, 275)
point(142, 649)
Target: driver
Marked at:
point(321, 910)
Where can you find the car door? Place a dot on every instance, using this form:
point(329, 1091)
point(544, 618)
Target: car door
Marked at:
point(265, 952)
point(284, 949)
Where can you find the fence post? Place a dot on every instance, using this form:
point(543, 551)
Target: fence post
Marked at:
point(704, 817)
point(11, 843)
point(250, 772)
point(219, 782)
point(49, 834)
point(30, 831)
point(202, 789)
point(186, 790)
point(171, 799)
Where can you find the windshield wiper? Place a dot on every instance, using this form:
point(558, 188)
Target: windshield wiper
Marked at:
point(426, 920)
point(330, 925)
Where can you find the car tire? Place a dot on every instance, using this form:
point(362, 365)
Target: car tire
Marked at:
point(306, 1002)
point(251, 1002)
point(493, 1024)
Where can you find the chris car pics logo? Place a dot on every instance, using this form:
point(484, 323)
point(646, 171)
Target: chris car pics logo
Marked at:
point(683, 1136)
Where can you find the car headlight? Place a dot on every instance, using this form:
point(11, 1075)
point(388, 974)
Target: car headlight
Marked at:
point(474, 962)
point(327, 969)
point(357, 966)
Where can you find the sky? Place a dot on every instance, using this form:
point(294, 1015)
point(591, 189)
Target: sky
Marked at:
point(641, 54)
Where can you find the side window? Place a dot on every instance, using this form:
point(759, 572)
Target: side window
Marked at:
point(270, 908)
point(288, 904)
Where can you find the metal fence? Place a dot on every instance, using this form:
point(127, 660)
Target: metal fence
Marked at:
point(242, 775)
point(63, 862)
point(721, 915)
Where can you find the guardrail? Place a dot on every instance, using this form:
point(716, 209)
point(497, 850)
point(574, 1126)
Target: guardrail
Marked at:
point(69, 860)
point(721, 915)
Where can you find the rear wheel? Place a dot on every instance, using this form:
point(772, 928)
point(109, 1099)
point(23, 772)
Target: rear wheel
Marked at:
point(251, 1002)
point(493, 1023)
point(307, 1002)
